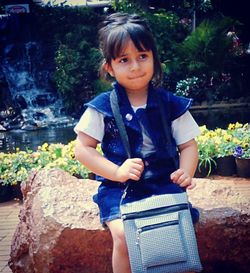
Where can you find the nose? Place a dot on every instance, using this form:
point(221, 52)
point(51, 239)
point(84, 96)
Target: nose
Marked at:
point(134, 65)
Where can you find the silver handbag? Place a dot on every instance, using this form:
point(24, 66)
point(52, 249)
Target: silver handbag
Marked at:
point(160, 235)
point(159, 230)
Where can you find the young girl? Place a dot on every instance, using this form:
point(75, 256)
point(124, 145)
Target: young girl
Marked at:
point(130, 57)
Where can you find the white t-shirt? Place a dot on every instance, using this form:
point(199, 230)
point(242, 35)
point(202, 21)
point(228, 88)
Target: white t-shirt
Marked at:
point(184, 128)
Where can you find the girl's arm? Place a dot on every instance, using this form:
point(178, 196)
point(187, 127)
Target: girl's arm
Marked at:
point(188, 164)
point(86, 153)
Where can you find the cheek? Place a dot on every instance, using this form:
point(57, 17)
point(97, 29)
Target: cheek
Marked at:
point(119, 71)
point(150, 69)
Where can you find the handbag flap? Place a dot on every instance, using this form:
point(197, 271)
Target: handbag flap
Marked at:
point(154, 202)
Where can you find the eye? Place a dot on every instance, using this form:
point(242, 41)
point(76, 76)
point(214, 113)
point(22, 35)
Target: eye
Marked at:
point(143, 56)
point(123, 60)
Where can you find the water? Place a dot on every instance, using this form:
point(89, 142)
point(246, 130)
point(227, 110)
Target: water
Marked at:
point(221, 117)
point(28, 79)
point(32, 139)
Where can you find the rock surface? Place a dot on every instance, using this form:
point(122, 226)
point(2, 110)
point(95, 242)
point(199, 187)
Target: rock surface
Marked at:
point(223, 232)
point(59, 229)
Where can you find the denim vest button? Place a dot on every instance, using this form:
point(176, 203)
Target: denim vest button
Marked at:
point(146, 163)
point(129, 117)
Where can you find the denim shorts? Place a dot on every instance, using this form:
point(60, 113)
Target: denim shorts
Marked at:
point(110, 194)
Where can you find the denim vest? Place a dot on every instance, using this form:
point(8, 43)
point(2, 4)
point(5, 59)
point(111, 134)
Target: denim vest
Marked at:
point(165, 158)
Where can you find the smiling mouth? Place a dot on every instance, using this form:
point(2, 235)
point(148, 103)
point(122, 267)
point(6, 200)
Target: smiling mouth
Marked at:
point(135, 78)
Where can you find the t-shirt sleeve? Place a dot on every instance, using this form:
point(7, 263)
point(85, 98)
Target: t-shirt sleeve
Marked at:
point(91, 123)
point(178, 105)
point(184, 128)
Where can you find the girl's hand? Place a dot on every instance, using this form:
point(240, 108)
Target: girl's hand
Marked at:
point(183, 179)
point(132, 168)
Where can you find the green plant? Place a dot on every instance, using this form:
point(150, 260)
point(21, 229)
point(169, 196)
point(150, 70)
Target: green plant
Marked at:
point(242, 133)
point(207, 48)
point(77, 65)
point(126, 6)
point(168, 31)
point(207, 150)
point(101, 85)
point(208, 163)
point(185, 87)
point(218, 143)
point(71, 34)
point(15, 167)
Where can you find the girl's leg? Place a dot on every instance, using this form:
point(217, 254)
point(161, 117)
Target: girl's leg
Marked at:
point(120, 259)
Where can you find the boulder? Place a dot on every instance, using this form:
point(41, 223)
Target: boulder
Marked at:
point(59, 229)
point(223, 231)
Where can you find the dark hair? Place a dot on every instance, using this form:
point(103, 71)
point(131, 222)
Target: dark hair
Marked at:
point(115, 31)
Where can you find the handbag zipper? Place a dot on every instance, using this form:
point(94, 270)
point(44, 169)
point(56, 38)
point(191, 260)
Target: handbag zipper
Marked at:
point(156, 211)
point(153, 226)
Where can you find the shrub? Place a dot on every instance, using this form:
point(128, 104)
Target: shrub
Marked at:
point(212, 144)
point(71, 34)
point(14, 167)
point(218, 143)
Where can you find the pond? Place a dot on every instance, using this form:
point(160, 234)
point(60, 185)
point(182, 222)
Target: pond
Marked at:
point(221, 117)
point(32, 139)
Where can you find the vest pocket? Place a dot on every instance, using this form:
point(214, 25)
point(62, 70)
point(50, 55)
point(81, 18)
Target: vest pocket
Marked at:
point(159, 240)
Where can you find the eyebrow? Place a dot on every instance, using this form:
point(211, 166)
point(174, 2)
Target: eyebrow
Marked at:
point(123, 55)
point(126, 54)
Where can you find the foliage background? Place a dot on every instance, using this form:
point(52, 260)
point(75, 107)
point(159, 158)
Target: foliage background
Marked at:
point(208, 53)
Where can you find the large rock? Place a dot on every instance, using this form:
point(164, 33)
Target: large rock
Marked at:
point(59, 229)
point(223, 232)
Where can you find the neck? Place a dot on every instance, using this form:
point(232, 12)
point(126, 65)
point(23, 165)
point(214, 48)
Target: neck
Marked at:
point(137, 98)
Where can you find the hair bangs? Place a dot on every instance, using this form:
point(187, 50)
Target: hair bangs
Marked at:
point(141, 39)
point(119, 37)
point(117, 41)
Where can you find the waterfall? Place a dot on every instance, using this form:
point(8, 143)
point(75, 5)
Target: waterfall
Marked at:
point(27, 67)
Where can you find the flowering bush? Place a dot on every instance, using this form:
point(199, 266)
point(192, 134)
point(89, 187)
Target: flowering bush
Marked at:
point(207, 149)
point(185, 87)
point(218, 143)
point(222, 142)
point(212, 144)
point(15, 167)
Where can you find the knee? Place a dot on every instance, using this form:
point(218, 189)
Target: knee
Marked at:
point(120, 241)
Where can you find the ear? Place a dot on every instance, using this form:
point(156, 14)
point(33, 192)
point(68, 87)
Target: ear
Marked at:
point(109, 69)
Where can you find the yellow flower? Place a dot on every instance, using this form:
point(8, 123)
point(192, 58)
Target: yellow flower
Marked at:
point(236, 141)
point(217, 141)
point(246, 126)
point(245, 145)
point(45, 146)
point(238, 125)
point(231, 126)
point(203, 129)
point(227, 138)
point(210, 134)
point(218, 131)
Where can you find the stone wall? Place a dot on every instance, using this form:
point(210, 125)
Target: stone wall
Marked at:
point(59, 229)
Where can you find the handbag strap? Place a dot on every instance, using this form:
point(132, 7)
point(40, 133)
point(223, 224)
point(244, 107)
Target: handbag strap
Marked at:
point(119, 122)
point(122, 130)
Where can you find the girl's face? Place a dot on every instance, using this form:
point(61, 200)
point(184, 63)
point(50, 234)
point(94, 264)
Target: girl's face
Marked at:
point(133, 69)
